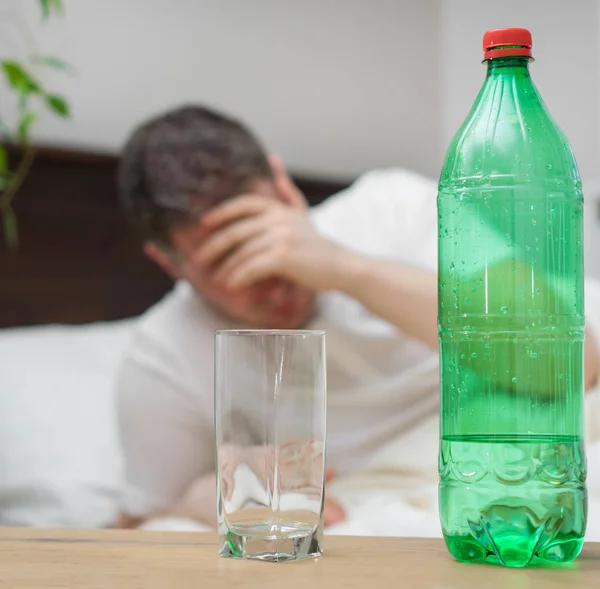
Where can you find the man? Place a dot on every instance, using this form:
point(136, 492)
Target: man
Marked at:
point(230, 227)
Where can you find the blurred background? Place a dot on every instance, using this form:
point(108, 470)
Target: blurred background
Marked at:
point(337, 87)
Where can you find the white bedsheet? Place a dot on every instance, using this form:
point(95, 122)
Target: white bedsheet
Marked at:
point(397, 494)
point(60, 463)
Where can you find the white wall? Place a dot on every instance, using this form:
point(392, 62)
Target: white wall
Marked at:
point(337, 86)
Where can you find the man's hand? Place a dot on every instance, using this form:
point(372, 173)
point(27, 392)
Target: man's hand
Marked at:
point(199, 503)
point(333, 512)
point(254, 238)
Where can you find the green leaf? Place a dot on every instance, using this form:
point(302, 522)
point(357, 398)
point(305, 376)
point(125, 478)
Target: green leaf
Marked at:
point(45, 4)
point(19, 78)
point(3, 163)
point(53, 62)
point(58, 105)
point(9, 225)
point(48, 6)
point(24, 126)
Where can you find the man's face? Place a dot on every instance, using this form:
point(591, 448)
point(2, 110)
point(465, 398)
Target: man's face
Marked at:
point(272, 304)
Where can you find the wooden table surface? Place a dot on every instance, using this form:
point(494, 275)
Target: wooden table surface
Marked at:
point(56, 559)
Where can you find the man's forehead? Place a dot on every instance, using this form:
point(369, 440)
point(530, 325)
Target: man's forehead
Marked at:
point(189, 237)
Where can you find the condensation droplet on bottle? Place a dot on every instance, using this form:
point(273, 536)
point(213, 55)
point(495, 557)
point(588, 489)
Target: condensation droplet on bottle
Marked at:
point(549, 166)
point(534, 221)
point(513, 380)
point(474, 355)
point(504, 310)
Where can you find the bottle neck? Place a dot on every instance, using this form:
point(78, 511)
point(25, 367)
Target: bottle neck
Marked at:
point(513, 66)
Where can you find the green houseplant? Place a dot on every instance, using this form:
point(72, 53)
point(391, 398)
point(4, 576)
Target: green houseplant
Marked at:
point(31, 96)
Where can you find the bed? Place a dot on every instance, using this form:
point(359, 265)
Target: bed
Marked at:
point(69, 298)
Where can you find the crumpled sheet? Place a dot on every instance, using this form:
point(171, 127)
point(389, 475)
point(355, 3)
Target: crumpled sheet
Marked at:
point(396, 495)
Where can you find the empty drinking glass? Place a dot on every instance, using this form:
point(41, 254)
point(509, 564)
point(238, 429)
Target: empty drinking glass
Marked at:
point(270, 413)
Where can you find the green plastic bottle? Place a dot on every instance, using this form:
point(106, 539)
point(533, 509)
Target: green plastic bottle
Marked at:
point(511, 319)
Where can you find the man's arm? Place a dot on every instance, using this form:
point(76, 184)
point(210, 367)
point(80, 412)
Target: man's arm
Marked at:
point(590, 362)
point(407, 297)
point(260, 238)
point(592, 333)
point(169, 453)
point(197, 503)
point(403, 295)
point(255, 238)
point(167, 444)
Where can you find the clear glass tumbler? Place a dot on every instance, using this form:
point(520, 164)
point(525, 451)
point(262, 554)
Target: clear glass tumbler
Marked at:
point(270, 418)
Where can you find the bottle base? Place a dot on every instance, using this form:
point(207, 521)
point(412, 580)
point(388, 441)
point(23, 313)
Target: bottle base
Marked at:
point(514, 552)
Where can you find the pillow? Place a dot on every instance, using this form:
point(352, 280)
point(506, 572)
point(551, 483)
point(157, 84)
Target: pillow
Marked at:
point(60, 462)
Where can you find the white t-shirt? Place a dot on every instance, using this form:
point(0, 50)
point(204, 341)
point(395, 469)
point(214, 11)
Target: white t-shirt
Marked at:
point(380, 382)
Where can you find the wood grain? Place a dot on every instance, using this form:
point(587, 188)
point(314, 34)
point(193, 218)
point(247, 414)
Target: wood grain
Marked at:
point(48, 559)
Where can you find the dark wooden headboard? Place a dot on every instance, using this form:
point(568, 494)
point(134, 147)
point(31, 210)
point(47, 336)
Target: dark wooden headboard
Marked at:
point(77, 260)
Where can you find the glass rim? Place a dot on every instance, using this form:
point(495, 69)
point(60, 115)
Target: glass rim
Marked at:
point(273, 332)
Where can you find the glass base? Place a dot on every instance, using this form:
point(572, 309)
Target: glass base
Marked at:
point(255, 544)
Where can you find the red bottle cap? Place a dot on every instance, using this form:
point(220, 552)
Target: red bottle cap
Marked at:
point(506, 43)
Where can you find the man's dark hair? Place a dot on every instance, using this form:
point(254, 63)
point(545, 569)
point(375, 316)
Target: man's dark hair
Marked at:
point(179, 164)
